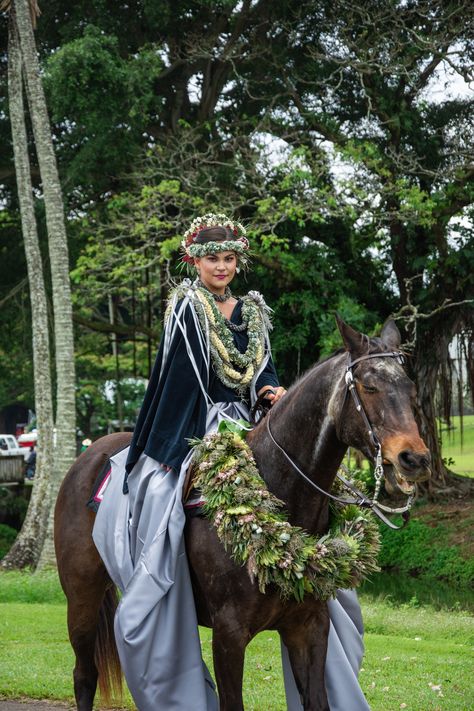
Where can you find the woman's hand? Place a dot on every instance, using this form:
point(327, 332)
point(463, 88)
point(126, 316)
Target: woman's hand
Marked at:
point(272, 394)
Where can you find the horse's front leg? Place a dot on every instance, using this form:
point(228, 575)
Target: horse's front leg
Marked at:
point(228, 648)
point(305, 637)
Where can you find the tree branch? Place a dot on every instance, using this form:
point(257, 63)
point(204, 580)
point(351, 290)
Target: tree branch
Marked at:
point(411, 314)
point(19, 287)
point(117, 328)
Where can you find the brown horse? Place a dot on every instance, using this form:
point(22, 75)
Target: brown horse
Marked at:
point(314, 423)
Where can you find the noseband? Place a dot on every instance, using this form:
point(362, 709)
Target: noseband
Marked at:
point(360, 499)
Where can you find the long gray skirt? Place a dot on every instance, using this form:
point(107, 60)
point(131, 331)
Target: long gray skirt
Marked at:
point(139, 537)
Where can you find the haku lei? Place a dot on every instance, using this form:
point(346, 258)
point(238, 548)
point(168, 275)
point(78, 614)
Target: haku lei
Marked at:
point(201, 250)
point(238, 243)
point(255, 531)
point(212, 219)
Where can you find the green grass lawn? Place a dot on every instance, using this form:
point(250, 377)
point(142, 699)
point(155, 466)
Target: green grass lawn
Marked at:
point(462, 453)
point(419, 657)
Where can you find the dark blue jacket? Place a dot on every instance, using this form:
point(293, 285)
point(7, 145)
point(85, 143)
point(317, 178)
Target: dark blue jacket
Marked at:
point(174, 409)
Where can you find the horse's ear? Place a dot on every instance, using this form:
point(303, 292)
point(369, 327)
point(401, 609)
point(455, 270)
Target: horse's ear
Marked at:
point(390, 335)
point(355, 342)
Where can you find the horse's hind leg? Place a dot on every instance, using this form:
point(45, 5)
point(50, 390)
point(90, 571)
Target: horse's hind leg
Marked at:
point(306, 641)
point(86, 593)
point(228, 647)
point(90, 596)
point(85, 671)
point(91, 602)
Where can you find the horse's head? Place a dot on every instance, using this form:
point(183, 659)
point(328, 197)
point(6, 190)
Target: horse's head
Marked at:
point(387, 397)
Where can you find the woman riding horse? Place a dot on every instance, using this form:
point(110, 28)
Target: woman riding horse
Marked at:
point(214, 361)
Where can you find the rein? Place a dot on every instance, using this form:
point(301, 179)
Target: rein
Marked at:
point(360, 499)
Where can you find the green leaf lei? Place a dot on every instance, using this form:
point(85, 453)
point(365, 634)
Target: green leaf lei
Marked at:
point(255, 531)
point(202, 249)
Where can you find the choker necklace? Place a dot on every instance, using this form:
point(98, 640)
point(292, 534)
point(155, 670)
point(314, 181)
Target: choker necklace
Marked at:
point(237, 327)
point(221, 298)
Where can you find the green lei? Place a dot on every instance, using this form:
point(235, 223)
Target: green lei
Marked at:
point(253, 529)
point(202, 249)
point(233, 368)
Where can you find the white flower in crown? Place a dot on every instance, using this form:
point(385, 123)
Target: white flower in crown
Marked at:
point(212, 219)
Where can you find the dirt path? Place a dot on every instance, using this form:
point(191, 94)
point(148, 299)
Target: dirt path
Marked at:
point(38, 705)
point(33, 705)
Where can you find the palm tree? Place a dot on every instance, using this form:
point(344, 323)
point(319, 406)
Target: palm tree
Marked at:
point(24, 14)
point(27, 547)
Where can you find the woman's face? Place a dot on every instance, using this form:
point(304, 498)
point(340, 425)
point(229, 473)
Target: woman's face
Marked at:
point(216, 271)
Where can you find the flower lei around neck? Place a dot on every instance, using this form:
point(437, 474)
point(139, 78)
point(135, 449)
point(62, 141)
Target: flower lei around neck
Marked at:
point(255, 531)
point(234, 369)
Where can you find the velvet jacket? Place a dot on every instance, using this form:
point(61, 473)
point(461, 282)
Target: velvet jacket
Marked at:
point(174, 409)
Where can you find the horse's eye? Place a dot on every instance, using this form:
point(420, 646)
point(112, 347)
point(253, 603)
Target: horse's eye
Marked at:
point(369, 388)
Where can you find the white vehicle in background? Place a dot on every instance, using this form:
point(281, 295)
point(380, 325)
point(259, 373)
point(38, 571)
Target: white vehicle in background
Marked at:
point(9, 447)
point(27, 440)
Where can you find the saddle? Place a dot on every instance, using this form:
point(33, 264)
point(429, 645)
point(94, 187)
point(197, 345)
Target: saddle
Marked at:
point(188, 484)
point(192, 498)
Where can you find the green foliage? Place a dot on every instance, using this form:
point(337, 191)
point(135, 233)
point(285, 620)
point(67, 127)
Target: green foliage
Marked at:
point(31, 588)
point(12, 507)
point(101, 100)
point(422, 550)
point(310, 284)
point(97, 392)
point(132, 250)
point(366, 477)
point(415, 592)
point(7, 537)
point(240, 427)
point(15, 320)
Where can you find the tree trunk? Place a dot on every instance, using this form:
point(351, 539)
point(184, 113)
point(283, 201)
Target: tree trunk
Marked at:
point(27, 547)
point(426, 376)
point(115, 353)
point(65, 449)
point(432, 350)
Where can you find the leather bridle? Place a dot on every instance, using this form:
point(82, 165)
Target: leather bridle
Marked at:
point(360, 499)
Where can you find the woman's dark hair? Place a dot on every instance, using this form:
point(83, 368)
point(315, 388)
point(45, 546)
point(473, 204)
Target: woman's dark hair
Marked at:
point(214, 234)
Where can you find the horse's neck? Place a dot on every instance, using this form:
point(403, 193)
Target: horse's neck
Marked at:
point(303, 424)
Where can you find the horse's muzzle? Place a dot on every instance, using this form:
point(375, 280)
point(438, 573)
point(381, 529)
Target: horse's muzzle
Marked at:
point(414, 466)
point(404, 470)
point(410, 459)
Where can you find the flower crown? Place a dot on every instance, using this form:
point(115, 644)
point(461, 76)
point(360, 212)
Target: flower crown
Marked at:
point(192, 249)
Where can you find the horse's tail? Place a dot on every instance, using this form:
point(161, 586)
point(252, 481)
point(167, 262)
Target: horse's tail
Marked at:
point(105, 654)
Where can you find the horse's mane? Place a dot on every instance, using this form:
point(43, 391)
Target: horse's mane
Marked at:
point(373, 345)
point(338, 351)
point(312, 367)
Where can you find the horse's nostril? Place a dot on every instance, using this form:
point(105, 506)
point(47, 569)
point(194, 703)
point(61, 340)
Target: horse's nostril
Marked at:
point(409, 460)
point(425, 461)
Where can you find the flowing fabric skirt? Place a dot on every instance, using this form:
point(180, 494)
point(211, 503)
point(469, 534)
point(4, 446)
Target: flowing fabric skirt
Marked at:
point(140, 539)
point(343, 661)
